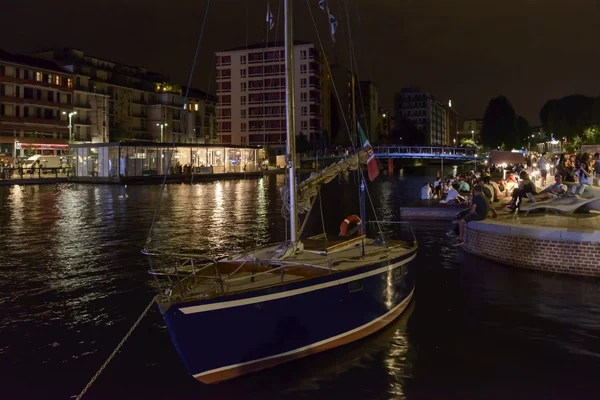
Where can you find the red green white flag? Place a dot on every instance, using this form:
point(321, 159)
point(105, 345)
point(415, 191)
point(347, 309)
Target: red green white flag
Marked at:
point(372, 166)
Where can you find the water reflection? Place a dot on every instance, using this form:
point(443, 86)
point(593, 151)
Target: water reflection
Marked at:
point(72, 281)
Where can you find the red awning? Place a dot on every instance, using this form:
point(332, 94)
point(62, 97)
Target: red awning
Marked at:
point(506, 157)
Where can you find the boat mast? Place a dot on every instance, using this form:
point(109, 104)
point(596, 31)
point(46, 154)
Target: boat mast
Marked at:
point(291, 134)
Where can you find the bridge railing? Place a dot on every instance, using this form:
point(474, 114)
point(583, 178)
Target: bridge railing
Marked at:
point(439, 150)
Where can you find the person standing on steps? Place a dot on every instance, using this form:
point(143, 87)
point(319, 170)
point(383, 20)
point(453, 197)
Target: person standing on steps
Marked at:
point(543, 168)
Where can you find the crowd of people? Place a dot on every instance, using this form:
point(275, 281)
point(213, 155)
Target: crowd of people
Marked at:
point(478, 191)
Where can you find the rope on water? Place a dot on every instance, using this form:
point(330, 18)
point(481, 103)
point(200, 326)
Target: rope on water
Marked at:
point(116, 350)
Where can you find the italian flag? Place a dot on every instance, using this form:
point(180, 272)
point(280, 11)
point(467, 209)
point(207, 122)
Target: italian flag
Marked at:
point(372, 166)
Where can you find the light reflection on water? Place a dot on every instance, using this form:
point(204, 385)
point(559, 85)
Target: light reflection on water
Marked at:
point(72, 281)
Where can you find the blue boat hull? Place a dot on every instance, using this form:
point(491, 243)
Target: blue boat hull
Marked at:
point(220, 339)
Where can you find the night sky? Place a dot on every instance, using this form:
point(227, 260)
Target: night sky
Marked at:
point(464, 50)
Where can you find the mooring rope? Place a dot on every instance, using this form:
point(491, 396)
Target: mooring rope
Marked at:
point(116, 350)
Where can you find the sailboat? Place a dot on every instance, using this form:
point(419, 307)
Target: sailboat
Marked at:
point(250, 311)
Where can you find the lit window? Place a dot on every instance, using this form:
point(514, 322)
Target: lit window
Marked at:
point(69, 83)
point(196, 107)
point(38, 76)
point(50, 79)
point(57, 80)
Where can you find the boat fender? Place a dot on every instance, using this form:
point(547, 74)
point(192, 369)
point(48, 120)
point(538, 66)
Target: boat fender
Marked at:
point(349, 219)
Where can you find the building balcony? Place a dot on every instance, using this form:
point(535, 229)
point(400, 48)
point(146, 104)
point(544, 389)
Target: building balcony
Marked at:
point(21, 100)
point(82, 121)
point(265, 116)
point(266, 61)
point(30, 82)
point(21, 122)
point(83, 105)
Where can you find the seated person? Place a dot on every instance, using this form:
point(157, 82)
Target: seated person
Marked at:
point(488, 189)
point(554, 191)
point(464, 186)
point(511, 184)
point(426, 192)
point(497, 191)
point(478, 211)
point(453, 197)
point(584, 179)
point(526, 188)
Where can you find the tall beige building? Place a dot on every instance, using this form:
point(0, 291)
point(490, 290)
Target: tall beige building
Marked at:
point(251, 106)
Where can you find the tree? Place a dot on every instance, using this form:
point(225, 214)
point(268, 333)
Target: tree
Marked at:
point(468, 143)
point(570, 116)
point(523, 133)
point(499, 124)
point(302, 145)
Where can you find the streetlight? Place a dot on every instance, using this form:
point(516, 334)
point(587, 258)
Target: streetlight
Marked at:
point(17, 147)
point(454, 142)
point(162, 128)
point(70, 123)
point(473, 136)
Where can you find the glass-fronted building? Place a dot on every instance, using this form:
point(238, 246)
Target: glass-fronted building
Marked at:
point(137, 159)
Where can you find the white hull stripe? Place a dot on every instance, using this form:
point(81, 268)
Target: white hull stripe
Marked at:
point(310, 346)
point(289, 293)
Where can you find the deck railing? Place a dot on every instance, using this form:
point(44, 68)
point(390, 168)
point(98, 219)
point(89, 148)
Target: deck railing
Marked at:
point(35, 173)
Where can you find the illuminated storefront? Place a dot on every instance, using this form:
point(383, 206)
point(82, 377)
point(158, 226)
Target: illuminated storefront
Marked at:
point(134, 159)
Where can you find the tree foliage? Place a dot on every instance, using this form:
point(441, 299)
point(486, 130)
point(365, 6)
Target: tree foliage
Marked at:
point(302, 145)
point(500, 124)
point(468, 143)
point(523, 132)
point(570, 116)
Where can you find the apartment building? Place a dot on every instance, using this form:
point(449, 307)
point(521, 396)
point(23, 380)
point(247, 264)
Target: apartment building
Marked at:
point(425, 111)
point(35, 99)
point(342, 117)
point(471, 129)
point(139, 104)
point(451, 125)
point(251, 105)
point(367, 109)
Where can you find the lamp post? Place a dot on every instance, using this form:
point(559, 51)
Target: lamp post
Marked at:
point(15, 156)
point(162, 130)
point(70, 123)
point(473, 136)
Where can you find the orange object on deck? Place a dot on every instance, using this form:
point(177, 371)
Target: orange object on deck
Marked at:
point(349, 219)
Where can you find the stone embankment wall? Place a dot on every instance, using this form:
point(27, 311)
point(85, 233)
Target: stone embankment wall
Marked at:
point(541, 248)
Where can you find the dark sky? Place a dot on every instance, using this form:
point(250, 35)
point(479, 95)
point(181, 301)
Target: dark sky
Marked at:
point(464, 50)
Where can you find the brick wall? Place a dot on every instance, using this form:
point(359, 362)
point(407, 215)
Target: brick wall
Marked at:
point(575, 258)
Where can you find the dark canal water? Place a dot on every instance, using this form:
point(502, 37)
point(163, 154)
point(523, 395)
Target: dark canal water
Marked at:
point(72, 282)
